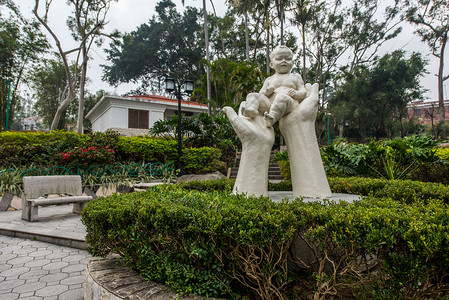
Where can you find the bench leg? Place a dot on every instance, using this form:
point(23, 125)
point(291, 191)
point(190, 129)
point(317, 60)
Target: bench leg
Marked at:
point(78, 207)
point(29, 212)
point(26, 213)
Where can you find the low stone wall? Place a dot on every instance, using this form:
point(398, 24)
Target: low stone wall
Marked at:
point(108, 279)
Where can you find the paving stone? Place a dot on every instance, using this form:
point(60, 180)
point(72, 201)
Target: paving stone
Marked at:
point(28, 287)
point(55, 266)
point(32, 280)
point(56, 255)
point(42, 253)
point(10, 284)
point(74, 268)
point(57, 277)
point(15, 271)
point(10, 296)
point(2, 278)
point(31, 298)
point(26, 295)
point(53, 290)
point(76, 257)
point(73, 280)
point(25, 250)
point(76, 286)
point(20, 260)
point(4, 267)
point(34, 273)
point(8, 249)
point(4, 257)
point(77, 294)
point(38, 262)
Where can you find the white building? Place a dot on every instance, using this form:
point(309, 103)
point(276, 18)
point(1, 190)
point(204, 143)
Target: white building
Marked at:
point(134, 115)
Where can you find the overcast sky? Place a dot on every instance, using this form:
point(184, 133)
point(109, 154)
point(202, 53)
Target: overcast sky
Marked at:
point(127, 15)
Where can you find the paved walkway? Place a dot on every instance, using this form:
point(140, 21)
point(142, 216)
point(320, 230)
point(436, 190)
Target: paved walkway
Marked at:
point(38, 270)
point(32, 268)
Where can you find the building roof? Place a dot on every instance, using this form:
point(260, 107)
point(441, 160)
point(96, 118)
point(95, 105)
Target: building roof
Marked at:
point(161, 100)
point(164, 99)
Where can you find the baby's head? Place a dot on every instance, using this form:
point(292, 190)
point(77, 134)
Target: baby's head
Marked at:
point(281, 59)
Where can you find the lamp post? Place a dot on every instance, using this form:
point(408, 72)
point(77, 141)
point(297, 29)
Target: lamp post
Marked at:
point(171, 87)
point(328, 131)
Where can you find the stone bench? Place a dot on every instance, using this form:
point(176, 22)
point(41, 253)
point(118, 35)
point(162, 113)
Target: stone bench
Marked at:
point(36, 188)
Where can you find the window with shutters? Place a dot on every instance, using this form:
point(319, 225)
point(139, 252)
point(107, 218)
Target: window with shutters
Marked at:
point(138, 118)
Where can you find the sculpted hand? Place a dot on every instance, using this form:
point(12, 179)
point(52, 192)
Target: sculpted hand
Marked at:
point(257, 141)
point(306, 110)
point(298, 129)
point(249, 130)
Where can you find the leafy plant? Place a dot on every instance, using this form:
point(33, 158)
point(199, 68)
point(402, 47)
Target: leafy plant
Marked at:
point(87, 156)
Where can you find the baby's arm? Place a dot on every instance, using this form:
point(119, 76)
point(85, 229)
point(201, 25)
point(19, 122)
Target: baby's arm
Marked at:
point(300, 92)
point(267, 88)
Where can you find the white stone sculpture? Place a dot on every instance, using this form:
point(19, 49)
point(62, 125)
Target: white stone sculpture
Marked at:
point(280, 93)
point(297, 124)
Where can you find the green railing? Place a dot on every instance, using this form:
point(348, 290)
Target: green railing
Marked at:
point(131, 170)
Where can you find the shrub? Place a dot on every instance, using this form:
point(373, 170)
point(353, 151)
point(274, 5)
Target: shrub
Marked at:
point(284, 164)
point(195, 242)
point(224, 185)
point(390, 159)
point(201, 160)
point(207, 242)
point(228, 152)
point(406, 191)
point(146, 149)
point(87, 156)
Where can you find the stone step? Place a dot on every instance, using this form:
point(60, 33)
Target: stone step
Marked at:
point(274, 172)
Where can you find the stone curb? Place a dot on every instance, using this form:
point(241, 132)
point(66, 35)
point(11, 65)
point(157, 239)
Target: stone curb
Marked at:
point(108, 278)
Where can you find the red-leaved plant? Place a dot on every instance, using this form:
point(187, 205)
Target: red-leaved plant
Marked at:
point(87, 156)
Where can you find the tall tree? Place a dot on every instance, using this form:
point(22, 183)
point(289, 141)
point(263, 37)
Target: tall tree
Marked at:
point(432, 19)
point(373, 96)
point(21, 43)
point(86, 24)
point(49, 83)
point(168, 46)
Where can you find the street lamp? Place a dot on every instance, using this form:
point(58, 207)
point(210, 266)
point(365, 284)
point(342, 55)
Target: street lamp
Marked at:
point(171, 87)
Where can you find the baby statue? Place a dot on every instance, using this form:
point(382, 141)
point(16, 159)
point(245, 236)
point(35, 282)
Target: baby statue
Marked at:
point(280, 93)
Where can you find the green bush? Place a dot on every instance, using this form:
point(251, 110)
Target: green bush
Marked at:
point(59, 147)
point(284, 164)
point(146, 149)
point(390, 159)
point(201, 160)
point(208, 242)
point(195, 242)
point(432, 172)
point(406, 191)
point(224, 185)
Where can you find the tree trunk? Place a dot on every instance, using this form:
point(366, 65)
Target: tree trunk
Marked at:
point(281, 19)
point(246, 36)
point(441, 111)
point(206, 39)
point(303, 54)
point(80, 121)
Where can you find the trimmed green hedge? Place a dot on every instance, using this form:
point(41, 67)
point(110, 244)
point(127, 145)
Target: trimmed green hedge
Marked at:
point(195, 242)
point(400, 190)
point(45, 149)
point(213, 243)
